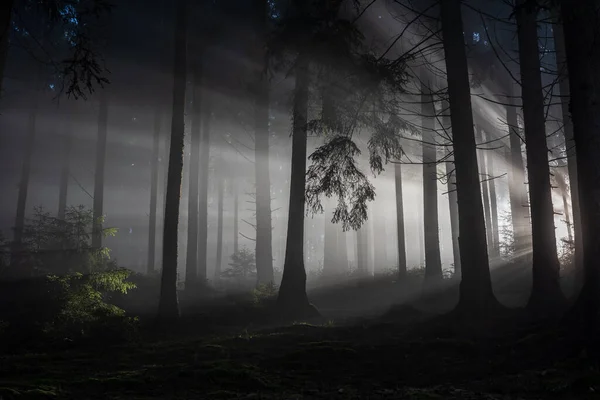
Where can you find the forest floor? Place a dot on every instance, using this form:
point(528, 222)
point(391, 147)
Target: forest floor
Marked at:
point(419, 357)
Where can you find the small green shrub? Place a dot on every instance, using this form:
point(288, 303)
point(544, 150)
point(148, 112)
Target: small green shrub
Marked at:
point(265, 294)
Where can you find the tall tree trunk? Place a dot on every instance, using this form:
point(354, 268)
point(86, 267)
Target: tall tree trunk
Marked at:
point(236, 206)
point(292, 292)
point(342, 250)
point(330, 249)
point(219, 259)
point(264, 228)
point(401, 241)
point(168, 308)
point(24, 183)
point(5, 17)
point(518, 195)
point(362, 250)
point(191, 262)
point(420, 237)
point(484, 176)
point(98, 206)
point(433, 262)
point(64, 176)
point(379, 243)
point(153, 193)
point(546, 293)
point(203, 193)
point(563, 85)
point(476, 295)
point(562, 186)
point(582, 29)
point(452, 202)
point(495, 250)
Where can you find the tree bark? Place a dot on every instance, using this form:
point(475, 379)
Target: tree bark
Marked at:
point(452, 202)
point(563, 85)
point(5, 17)
point(518, 195)
point(485, 191)
point(401, 241)
point(168, 308)
point(64, 176)
point(476, 295)
point(292, 292)
point(264, 228)
point(203, 193)
point(495, 253)
point(236, 206)
point(433, 262)
point(98, 205)
point(153, 193)
point(546, 293)
point(191, 262)
point(582, 29)
point(219, 259)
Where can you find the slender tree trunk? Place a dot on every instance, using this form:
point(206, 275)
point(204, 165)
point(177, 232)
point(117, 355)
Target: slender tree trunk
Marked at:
point(421, 237)
point(433, 262)
point(546, 293)
point(452, 202)
point(563, 84)
point(493, 205)
point(203, 193)
point(342, 250)
point(236, 206)
point(168, 308)
point(64, 176)
point(329, 243)
point(153, 193)
point(191, 263)
point(401, 241)
point(24, 182)
point(362, 251)
point(484, 176)
point(379, 243)
point(582, 29)
point(98, 206)
point(5, 17)
point(562, 186)
point(476, 295)
point(292, 292)
point(219, 259)
point(518, 196)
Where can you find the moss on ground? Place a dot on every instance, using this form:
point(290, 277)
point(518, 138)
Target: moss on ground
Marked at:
point(301, 361)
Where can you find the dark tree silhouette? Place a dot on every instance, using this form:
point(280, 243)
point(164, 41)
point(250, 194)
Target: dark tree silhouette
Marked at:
point(98, 206)
point(153, 192)
point(401, 240)
point(63, 188)
point(203, 190)
point(545, 293)
point(476, 295)
point(168, 308)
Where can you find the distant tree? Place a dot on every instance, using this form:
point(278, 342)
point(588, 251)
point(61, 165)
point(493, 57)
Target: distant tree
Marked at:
point(100, 166)
point(401, 240)
point(154, 163)
point(168, 309)
point(242, 266)
point(203, 187)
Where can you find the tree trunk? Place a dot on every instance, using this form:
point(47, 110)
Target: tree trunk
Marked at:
point(24, 183)
point(342, 250)
point(582, 29)
point(236, 206)
point(362, 251)
point(379, 243)
point(495, 253)
point(401, 241)
point(563, 84)
point(168, 308)
point(562, 186)
point(292, 292)
point(153, 193)
point(476, 295)
point(5, 18)
point(64, 176)
point(330, 267)
point(98, 206)
point(452, 202)
point(546, 293)
point(518, 196)
point(219, 259)
point(203, 193)
point(485, 190)
point(191, 262)
point(264, 241)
